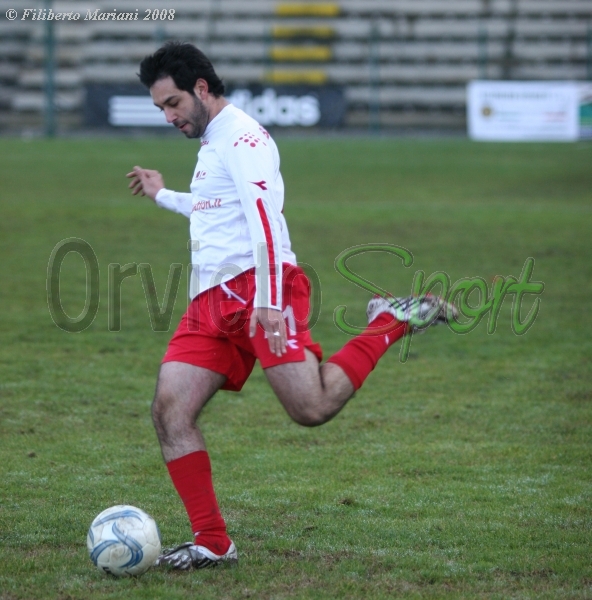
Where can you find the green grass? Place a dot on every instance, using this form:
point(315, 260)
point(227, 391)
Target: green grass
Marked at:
point(464, 473)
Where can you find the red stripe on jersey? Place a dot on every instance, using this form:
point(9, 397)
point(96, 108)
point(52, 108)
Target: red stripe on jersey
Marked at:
point(270, 252)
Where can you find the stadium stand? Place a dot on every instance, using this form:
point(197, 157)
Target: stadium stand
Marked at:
point(406, 62)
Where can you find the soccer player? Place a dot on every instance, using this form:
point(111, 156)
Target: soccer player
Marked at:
point(250, 300)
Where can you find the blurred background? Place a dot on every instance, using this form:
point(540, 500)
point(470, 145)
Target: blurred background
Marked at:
point(375, 65)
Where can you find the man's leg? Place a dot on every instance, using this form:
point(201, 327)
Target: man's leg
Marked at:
point(181, 393)
point(313, 394)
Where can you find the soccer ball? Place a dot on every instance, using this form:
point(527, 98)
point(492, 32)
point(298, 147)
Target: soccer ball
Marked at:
point(123, 540)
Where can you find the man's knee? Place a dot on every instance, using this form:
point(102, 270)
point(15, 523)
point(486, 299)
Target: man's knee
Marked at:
point(309, 416)
point(160, 404)
point(182, 391)
point(169, 410)
point(162, 411)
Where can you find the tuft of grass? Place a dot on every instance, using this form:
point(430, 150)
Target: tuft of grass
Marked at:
point(462, 473)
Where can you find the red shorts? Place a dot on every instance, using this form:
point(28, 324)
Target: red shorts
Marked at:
point(214, 332)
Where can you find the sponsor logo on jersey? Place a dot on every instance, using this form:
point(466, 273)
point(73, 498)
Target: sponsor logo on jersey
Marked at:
point(200, 175)
point(205, 204)
point(205, 142)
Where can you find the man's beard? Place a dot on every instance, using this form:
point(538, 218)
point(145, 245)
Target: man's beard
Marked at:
point(198, 120)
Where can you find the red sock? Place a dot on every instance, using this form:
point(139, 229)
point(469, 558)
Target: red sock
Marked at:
point(192, 477)
point(359, 356)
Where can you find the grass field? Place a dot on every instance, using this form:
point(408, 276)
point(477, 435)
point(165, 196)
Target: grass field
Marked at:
point(465, 472)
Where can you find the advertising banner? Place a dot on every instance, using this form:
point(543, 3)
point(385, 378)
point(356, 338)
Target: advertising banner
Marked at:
point(523, 110)
point(585, 98)
point(281, 106)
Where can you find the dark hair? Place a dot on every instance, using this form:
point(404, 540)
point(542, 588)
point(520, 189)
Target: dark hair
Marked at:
point(184, 63)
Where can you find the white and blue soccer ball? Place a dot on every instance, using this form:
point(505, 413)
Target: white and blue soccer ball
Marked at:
point(123, 540)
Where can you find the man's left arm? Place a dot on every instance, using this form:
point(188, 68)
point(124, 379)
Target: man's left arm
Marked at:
point(252, 166)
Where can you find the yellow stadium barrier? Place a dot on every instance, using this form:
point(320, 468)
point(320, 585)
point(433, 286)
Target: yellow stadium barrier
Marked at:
point(301, 53)
point(295, 77)
point(307, 10)
point(320, 32)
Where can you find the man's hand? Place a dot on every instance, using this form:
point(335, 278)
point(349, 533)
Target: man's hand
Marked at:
point(274, 326)
point(145, 182)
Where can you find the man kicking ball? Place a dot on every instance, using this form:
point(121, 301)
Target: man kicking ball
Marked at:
point(250, 300)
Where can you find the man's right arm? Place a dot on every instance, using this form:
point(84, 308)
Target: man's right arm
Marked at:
point(175, 201)
point(150, 183)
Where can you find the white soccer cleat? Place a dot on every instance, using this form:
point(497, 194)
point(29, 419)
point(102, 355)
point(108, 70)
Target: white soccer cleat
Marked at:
point(191, 556)
point(419, 311)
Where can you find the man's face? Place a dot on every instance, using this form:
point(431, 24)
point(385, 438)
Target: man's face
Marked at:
point(184, 110)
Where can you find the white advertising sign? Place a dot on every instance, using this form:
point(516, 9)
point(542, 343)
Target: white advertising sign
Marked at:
point(523, 110)
point(135, 111)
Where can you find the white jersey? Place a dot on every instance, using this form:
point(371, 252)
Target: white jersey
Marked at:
point(235, 208)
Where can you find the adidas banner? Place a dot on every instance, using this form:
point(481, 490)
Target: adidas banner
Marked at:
point(282, 106)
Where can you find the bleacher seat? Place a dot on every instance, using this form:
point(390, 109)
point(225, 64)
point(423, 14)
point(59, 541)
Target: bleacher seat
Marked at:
point(408, 55)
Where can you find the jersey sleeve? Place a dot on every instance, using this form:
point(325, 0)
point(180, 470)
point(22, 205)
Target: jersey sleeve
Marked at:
point(253, 166)
point(176, 201)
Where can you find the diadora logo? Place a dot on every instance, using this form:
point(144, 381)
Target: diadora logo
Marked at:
point(260, 184)
point(205, 142)
point(249, 138)
point(200, 175)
